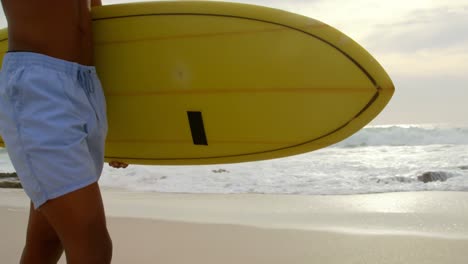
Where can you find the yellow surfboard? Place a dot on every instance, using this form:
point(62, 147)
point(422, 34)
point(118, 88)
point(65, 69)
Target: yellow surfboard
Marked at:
point(216, 82)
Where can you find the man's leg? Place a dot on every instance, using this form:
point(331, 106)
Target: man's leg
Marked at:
point(79, 221)
point(42, 243)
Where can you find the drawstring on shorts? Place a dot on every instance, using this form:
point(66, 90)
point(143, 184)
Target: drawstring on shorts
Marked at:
point(84, 78)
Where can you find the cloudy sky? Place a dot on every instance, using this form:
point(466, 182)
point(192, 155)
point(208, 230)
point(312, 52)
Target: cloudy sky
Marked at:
point(423, 45)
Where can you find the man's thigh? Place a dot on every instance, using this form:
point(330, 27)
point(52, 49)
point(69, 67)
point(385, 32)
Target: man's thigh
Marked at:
point(42, 243)
point(79, 220)
point(39, 228)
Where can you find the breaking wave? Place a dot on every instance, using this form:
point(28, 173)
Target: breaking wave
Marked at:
point(399, 135)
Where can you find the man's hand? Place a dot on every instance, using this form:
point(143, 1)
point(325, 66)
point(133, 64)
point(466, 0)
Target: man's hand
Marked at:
point(118, 164)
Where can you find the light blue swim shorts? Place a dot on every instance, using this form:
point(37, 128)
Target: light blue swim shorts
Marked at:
point(53, 122)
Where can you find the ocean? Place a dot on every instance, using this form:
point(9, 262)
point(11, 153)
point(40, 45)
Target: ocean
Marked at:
point(377, 159)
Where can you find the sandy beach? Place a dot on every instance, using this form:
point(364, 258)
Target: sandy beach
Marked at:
point(415, 227)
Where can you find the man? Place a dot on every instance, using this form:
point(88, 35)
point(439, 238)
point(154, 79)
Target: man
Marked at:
point(53, 121)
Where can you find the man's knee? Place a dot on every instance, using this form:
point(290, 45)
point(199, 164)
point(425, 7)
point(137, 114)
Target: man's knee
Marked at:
point(90, 246)
point(108, 248)
point(47, 249)
point(94, 240)
point(104, 243)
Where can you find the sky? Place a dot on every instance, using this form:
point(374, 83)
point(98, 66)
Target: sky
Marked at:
point(422, 44)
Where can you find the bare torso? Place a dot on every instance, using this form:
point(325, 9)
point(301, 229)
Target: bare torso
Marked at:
point(57, 28)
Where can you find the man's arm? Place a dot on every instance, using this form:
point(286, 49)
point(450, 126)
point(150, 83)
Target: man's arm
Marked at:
point(96, 3)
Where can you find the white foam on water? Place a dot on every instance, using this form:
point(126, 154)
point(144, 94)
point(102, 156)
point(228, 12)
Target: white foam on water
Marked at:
point(376, 159)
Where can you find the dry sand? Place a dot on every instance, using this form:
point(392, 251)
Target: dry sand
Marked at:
point(425, 227)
